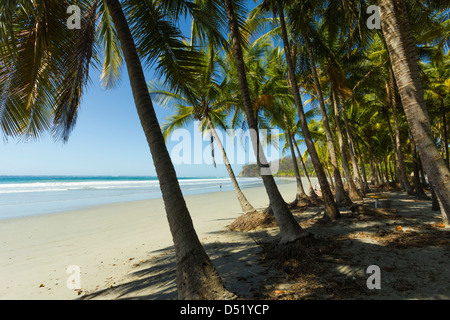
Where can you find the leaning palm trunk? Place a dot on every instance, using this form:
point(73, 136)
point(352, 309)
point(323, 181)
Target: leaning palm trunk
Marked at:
point(363, 168)
point(351, 151)
point(398, 146)
point(301, 195)
point(373, 173)
point(330, 178)
point(245, 204)
point(419, 193)
point(353, 192)
point(331, 210)
point(403, 56)
point(197, 277)
point(341, 196)
point(391, 136)
point(311, 193)
point(380, 173)
point(290, 230)
point(445, 133)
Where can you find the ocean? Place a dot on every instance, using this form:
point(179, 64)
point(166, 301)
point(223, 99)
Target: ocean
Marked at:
point(22, 196)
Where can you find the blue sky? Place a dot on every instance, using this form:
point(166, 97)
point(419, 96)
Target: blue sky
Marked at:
point(107, 140)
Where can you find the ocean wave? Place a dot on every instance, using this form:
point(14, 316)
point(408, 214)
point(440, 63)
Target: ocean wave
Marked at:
point(64, 186)
point(67, 186)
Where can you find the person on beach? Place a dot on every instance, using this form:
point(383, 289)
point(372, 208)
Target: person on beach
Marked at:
point(220, 187)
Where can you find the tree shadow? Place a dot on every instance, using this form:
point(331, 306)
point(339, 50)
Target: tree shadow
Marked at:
point(409, 247)
point(333, 264)
point(238, 263)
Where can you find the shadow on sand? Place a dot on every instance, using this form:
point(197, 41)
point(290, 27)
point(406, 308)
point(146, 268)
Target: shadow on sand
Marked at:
point(410, 248)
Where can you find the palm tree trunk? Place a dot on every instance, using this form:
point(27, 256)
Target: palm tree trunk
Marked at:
point(373, 174)
point(351, 151)
point(301, 195)
point(197, 277)
point(353, 193)
point(363, 168)
point(311, 192)
point(422, 172)
point(290, 230)
point(392, 170)
point(419, 193)
point(398, 144)
point(331, 210)
point(391, 135)
point(386, 169)
point(434, 201)
point(381, 173)
point(245, 204)
point(330, 178)
point(445, 133)
point(403, 56)
point(396, 162)
point(341, 196)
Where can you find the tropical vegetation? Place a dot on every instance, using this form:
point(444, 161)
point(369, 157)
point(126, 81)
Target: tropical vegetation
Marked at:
point(367, 106)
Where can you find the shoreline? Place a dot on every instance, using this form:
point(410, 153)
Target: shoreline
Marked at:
point(41, 196)
point(106, 241)
point(125, 251)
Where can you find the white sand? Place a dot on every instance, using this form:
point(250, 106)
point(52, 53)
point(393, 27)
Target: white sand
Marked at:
point(107, 242)
point(125, 250)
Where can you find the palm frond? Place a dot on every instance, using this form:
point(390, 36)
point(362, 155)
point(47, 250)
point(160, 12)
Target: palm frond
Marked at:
point(182, 116)
point(107, 37)
point(160, 44)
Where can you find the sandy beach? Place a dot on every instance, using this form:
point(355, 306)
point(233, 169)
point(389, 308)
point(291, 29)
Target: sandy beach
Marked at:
point(124, 251)
point(107, 243)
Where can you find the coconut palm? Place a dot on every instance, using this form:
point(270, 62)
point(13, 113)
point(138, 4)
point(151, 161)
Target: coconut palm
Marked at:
point(341, 196)
point(282, 104)
point(379, 55)
point(205, 103)
point(437, 89)
point(45, 68)
point(331, 210)
point(334, 64)
point(290, 230)
point(402, 52)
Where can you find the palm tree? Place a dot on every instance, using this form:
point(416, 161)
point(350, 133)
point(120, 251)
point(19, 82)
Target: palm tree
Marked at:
point(341, 196)
point(437, 89)
point(392, 94)
point(60, 60)
point(316, 129)
point(338, 63)
point(353, 192)
point(331, 210)
point(205, 103)
point(290, 141)
point(290, 230)
point(402, 52)
point(379, 54)
point(281, 104)
point(311, 193)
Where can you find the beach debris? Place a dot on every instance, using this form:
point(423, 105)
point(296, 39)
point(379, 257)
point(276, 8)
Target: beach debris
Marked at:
point(253, 220)
point(41, 285)
point(381, 233)
point(398, 228)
